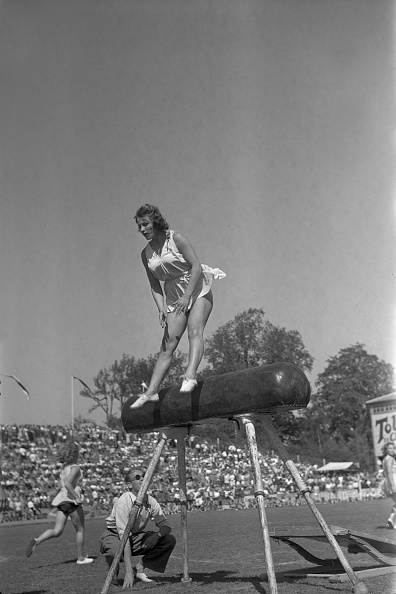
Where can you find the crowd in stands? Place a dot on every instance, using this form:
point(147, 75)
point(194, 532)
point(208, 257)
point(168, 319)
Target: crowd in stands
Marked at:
point(219, 476)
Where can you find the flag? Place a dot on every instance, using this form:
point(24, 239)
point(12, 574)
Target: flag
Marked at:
point(83, 383)
point(18, 382)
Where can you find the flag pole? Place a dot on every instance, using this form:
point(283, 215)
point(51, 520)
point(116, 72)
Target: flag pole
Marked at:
point(72, 405)
point(73, 377)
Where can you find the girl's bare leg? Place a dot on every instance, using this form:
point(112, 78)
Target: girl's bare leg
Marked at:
point(77, 518)
point(197, 320)
point(60, 523)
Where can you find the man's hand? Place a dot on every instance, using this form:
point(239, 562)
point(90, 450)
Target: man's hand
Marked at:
point(150, 541)
point(129, 579)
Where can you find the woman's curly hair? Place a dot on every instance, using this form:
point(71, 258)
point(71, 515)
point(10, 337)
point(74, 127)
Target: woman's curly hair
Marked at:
point(154, 214)
point(385, 447)
point(69, 454)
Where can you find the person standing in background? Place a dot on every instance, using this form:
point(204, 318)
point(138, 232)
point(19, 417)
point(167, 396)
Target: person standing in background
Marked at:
point(389, 467)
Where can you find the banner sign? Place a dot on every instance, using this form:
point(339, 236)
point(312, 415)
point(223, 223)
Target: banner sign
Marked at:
point(383, 422)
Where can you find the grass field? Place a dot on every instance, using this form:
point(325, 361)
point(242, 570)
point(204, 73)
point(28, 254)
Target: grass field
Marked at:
point(226, 555)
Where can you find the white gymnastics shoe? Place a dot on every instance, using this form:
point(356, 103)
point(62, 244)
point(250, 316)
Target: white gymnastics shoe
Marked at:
point(84, 561)
point(143, 399)
point(188, 385)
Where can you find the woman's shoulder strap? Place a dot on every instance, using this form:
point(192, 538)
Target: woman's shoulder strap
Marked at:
point(68, 467)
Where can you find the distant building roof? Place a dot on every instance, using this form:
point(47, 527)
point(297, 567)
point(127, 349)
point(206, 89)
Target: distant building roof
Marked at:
point(385, 398)
point(339, 466)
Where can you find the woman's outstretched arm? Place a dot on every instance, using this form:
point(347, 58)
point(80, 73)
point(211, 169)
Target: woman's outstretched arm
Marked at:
point(156, 290)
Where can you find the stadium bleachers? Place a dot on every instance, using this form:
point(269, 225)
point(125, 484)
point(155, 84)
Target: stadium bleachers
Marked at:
point(218, 475)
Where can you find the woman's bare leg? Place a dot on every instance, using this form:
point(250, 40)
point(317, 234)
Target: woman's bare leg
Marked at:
point(174, 330)
point(197, 320)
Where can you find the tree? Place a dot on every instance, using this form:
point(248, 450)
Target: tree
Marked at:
point(236, 344)
point(113, 386)
point(106, 391)
point(80, 421)
point(350, 378)
point(249, 341)
point(338, 408)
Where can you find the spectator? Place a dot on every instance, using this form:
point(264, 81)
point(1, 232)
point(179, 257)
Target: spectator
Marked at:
point(32, 508)
point(18, 508)
point(156, 547)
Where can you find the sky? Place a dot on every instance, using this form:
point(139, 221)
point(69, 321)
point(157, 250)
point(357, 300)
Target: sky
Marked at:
point(264, 131)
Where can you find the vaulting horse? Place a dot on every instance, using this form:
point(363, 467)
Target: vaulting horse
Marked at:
point(239, 396)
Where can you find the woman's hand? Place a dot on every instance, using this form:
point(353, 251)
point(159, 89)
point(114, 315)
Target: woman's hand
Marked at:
point(181, 305)
point(162, 318)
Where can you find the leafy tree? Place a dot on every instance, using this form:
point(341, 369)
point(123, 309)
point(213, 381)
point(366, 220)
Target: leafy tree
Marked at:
point(236, 344)
point(114, 422)
point(80, 421)
point(350, 378)
point(106, 391)
point(249, 341)
point(338, 412)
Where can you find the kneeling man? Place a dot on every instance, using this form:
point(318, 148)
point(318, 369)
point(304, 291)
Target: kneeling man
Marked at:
point(155, 546)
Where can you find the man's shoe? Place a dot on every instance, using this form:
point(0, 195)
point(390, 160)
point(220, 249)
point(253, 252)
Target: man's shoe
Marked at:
point(188, 385)
point(143, 399)
point(143, 577)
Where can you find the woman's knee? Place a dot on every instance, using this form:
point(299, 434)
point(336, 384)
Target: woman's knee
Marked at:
point(169, 345)
point(195, 334)
point(79, 529)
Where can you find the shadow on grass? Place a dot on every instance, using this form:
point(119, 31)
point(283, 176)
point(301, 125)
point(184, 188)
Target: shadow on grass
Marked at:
point(69, 562)
point(388, 530)
point(201, 579)
point(34, 591)
point(222, 577)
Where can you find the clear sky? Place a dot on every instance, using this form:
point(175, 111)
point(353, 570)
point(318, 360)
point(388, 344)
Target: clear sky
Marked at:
point(265, 132)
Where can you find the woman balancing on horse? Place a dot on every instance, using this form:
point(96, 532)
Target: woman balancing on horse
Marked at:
point(184, 301)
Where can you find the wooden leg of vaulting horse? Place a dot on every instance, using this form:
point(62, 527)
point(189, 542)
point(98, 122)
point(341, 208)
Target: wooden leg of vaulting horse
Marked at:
point(180, 434)
point(259, 494)
point(358, 586)
point(137, 506)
